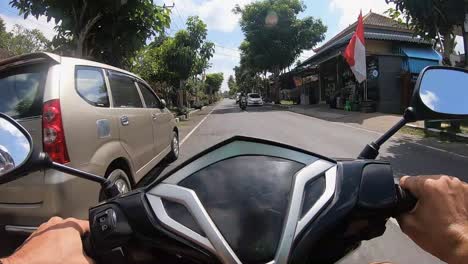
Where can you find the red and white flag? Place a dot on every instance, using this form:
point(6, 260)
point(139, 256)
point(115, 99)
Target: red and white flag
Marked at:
point(355, 53)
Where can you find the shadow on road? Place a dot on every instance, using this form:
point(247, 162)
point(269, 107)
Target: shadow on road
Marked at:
point(153, 174)
point(400, 153)
point(232, 109)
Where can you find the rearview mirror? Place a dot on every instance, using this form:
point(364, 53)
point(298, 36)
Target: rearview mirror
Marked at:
point(15, 147)
point(441, 93)
point(163, 103)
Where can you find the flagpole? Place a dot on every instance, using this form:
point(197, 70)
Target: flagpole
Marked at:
point(365, 90)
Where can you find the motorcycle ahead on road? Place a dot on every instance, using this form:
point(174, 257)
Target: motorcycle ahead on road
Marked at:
point(243, 103)
point(248, 200)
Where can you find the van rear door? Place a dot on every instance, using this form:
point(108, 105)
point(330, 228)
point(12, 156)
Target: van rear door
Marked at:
point(21, 97)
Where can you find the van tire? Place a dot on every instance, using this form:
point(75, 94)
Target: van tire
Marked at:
point(120, 178)
point(174, 154)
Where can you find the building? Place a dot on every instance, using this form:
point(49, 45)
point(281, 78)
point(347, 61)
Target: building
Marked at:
point(395, 57)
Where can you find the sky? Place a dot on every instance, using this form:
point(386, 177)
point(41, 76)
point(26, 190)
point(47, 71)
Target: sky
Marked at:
point(223, 27)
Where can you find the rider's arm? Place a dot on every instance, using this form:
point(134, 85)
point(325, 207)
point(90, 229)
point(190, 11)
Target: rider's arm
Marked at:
point(54, 242)
point(439, 222)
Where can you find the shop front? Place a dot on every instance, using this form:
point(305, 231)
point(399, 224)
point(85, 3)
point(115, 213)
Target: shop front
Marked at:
point(394, 58)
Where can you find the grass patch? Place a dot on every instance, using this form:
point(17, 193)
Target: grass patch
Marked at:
point(413, 131)
point(286, 102)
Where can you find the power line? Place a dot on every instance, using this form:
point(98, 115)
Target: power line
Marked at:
point(178, 14)
point(217, 45)
point(227, 55)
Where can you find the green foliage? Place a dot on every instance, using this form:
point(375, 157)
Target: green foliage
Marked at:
point(21, 40)
point(213, 82)
point(111, 31)
point(248, 80)
point(432, 19)
point(232, 85)
point(177, 61)
point(177, 58)
point(274, 35)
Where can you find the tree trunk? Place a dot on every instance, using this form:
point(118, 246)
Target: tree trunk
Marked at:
point(180, 96)
point(449, 47)
point(79, 52)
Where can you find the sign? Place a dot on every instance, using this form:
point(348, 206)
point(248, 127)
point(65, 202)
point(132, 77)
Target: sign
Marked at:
point(373, 68)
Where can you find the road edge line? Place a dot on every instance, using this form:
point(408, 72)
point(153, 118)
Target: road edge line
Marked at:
point(392, 138)
point(198, 125)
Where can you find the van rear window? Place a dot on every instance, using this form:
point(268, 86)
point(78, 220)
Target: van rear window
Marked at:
point(21, 91)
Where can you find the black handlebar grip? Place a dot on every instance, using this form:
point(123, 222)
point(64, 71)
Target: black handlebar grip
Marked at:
point(88, 245)
point(405, 201)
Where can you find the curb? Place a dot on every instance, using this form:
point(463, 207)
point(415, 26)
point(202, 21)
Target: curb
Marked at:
point(437, 132)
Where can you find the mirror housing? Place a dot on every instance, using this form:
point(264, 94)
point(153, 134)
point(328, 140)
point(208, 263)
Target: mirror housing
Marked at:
point(163, 103)
point(439, 94)
point(16, 149)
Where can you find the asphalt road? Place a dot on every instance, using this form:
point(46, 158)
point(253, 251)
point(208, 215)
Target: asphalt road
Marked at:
point(329, 139)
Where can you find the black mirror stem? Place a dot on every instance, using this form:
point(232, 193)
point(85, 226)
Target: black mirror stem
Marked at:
point(109, 188)
point(371, 151)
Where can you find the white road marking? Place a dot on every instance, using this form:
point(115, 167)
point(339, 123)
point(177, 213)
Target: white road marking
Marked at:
point(409, 141)
point(198, 125)
point(396, 136)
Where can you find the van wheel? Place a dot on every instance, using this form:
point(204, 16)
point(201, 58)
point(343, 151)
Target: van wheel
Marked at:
point(174, 154)
point(120, 179)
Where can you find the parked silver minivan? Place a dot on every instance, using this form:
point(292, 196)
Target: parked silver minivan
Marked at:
point(85, 114)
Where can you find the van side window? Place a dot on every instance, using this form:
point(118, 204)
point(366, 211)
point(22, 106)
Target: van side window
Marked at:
point(150, 99)
point(124, 91)
point(90, 85)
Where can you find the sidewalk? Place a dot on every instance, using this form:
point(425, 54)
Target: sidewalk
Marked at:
point(378, 122)
point(372, 121)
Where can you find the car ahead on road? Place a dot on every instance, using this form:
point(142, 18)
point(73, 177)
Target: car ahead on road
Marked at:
point(254, 99)
point(88, 115)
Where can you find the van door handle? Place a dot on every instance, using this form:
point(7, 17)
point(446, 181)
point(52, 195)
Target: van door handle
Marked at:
point(155, 116)
point(124, 121)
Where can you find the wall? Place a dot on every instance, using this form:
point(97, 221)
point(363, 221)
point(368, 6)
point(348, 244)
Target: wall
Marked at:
point(389, 84)
point(378, 47)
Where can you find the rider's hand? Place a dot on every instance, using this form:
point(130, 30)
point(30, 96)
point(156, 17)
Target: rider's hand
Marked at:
point(57, 241)
point(439, 222)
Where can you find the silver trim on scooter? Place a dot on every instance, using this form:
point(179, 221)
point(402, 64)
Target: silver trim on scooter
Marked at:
point(190, 200)
point(214, 240)
point(293, 225)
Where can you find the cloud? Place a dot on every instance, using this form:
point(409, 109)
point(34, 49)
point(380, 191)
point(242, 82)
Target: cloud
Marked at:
point(349, 9)
point(430, 99)
point(16, 137)
point(47, 28)
point(217, 14)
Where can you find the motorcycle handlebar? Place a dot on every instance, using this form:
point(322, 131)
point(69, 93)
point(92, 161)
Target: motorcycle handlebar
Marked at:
point(405, 201)
point(87, 245)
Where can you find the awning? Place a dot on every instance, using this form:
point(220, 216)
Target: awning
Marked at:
point(420, 58)
point(422, 53)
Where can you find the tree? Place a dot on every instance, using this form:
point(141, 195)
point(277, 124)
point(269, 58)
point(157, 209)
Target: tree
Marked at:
point(21, 40)
point(111, 31)
point(174, 60)
point(213, 83)
point(232, 85)
point(275, 36)
point(432, 19)
point(3, 34)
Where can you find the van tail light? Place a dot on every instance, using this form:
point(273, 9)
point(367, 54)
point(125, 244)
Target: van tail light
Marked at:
point(53, 133)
